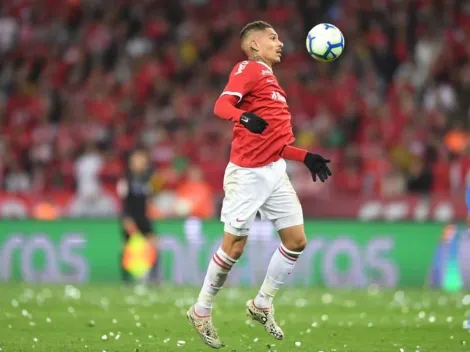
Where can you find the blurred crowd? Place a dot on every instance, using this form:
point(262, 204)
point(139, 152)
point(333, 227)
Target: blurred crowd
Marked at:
point(82, 82)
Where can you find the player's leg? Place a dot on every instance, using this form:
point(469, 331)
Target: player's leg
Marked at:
point(145, 227)
point(153, 275)
point(243, 197)
point(125, 275)
point(284, 210)
point(200, 314)
point(283, 260)
point(282, 263)
point(219, 267)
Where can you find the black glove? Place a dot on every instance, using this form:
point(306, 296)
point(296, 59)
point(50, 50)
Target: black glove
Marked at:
point(253, 122)
point(317, 166)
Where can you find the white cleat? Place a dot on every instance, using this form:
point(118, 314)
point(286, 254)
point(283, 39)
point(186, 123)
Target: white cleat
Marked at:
point(204, 328)
point(265, 317)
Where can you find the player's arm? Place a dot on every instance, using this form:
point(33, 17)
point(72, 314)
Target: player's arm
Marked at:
point(225, 107)
point(314, 162)
point(242, 79)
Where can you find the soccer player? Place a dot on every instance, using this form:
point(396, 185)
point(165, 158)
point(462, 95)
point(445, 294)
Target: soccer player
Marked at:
point(255, 179)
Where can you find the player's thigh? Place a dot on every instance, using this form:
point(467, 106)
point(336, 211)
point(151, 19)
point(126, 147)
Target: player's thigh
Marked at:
point(245, 192)
point(283, 207)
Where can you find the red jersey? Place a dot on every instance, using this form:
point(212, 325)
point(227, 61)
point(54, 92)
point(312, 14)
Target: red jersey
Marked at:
point(257, 91)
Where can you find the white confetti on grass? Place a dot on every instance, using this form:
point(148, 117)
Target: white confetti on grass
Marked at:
point(166, 340)
point(180, 343)
point(48, 320)
point(72, 292)
point(298, 343)
point(104, 337)
point(399, 297)
point(350, 304)
point(104, 302)
point(443, 301)
point(327, 298)
point(466, 300)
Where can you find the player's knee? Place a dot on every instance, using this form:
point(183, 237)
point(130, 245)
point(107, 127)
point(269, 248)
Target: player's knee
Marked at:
point(299, 244)
point(233, 245)
point(234, 250)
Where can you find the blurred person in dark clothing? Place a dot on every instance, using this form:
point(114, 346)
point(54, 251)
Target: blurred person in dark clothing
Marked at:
point(134, 189)
point(420, 178)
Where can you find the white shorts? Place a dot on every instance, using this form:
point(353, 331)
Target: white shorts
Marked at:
point(265, 189)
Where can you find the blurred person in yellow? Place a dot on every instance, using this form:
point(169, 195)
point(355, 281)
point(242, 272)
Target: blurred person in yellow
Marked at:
point(139, 257)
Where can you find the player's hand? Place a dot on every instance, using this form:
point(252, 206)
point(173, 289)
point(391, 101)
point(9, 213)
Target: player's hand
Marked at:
point(317, 166)
point(253, 122)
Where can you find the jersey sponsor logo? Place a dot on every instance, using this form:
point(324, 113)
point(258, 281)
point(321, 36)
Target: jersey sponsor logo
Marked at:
point(278, 96)
point(266, 72)
point(241, 67)
point(270, 80)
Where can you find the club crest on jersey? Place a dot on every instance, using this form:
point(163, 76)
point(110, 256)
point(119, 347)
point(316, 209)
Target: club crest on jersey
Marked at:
point(278, 96)
point(241, 67)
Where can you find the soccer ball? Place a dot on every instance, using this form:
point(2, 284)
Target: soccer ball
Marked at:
point(325, 42)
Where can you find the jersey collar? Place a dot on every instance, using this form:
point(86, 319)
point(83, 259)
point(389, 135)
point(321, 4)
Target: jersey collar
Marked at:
point(262, 63)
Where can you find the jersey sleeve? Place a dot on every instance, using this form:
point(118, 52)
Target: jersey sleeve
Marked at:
point(242, 79)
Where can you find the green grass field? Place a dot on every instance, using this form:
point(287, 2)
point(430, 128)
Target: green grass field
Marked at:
point(115, 318)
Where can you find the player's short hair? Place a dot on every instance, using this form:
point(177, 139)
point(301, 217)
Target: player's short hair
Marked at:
point(254, 26)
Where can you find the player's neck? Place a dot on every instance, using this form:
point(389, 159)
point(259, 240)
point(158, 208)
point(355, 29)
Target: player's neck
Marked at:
point(260, 59)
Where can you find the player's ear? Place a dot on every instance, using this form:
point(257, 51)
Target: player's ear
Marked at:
point(254, 45)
